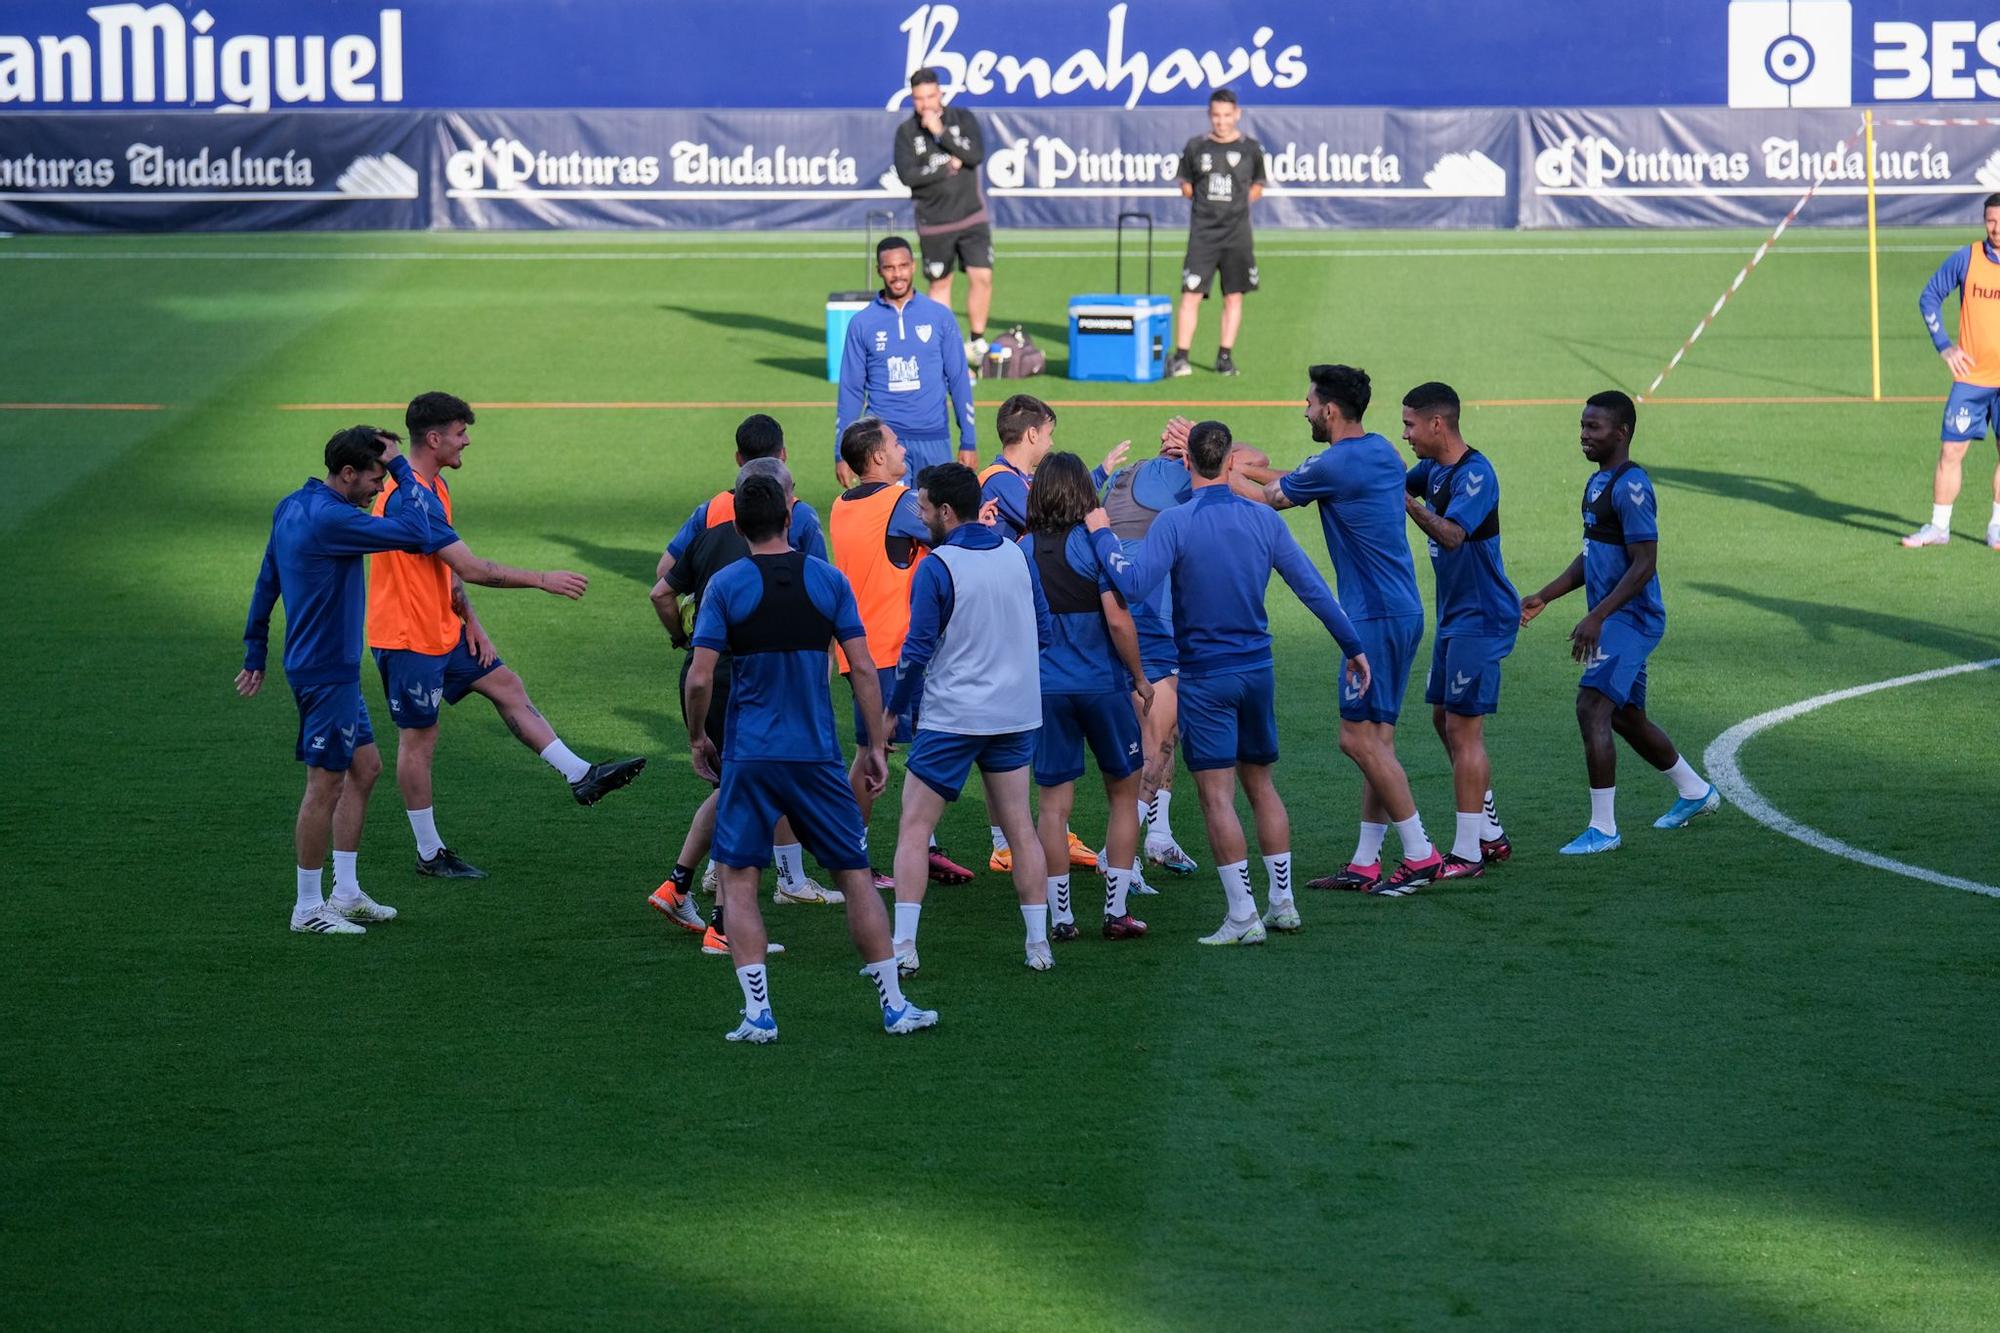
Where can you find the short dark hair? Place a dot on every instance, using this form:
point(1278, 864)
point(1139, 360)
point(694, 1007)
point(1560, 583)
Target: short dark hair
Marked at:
point(434, 411)
point(1222, 95)
point(1062, 494)
point(1621, 407)
point(1992, 201)
point(1433, 396)
point(358, 447)
point(923, 76)
point(952, 484)
point(1346, 387)
point(1021, 414)
point(861, 438)
point(759, 437)
point(1208, 446)
point(760, 508)
point(888, 243)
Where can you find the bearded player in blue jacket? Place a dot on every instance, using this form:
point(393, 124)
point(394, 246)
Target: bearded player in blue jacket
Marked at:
point(903, 362)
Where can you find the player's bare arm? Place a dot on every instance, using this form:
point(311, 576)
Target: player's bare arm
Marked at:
point(1959, 360)
point(249, 682)
point(871, 763)
point(1115, 457)
point(1562, 585)
point(476, 638)
point(1125, 640)
point(491, 574)
point(1645, 558)
point(1440, 530)
point(667, 605)
point(700, 692)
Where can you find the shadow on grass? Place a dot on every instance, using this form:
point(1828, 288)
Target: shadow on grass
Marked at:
point(1777, 493)
point(812, 367)
point(627, 562)
point(752, 321)
point(1820, 619)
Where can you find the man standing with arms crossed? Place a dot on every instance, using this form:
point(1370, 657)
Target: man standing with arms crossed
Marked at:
point(1974, 402)
point(1220, 551)
point(1222, 174)
point(1357, 482)
point(1453, 494)
point(775, 614)
point(902, 363)
point(313, 561)
point(938, 152)
point(431, 648)
point(1619, 573)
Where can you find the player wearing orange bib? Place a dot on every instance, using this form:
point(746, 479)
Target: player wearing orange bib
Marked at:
point(432, 650)
point(1974, 401)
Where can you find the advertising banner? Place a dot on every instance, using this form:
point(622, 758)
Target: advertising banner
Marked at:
point(274, 55)
point(1326, 167)
point(1706, 167)
point(342, 171)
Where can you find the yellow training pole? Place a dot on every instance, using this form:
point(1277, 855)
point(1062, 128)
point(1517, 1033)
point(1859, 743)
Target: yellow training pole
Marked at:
point(1874, 282)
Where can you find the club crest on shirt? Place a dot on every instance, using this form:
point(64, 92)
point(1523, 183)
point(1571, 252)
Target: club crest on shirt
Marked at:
point(923, 333)
point(1232, 157)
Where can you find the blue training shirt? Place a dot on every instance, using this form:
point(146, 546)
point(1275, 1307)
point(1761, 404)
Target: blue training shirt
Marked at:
point(779, 704)
point(1637, 510)
point(1079, 657)
point(1008, 486)
point(907, 367)
point(1473, 594)
point(313, 562)
point(804, 531)
point(1219, 550)
point(1358, 485)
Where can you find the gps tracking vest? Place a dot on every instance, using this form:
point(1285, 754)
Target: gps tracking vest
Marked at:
point(1600, 513)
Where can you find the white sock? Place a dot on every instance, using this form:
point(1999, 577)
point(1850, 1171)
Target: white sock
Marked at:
point(310, 897)
point(999, 838)
point(888, 985)
point(423, 823)
point(1465, 843)
point(1036, 915)
point(1368, 847)
point(1416, 842)
point(906, 921)
point(1604, 809)
point(564, 761)
point(1058, 886)
point(756, 990)
point(1236, 888)
point(1159, 826)
point(791, 866)
point(1117, 884)
point(346, 884)
point(1145, 817)
point(1996, 514)
point(1941, 515)
point(1690, 784)
point(1278, 877)
point(1492, 832)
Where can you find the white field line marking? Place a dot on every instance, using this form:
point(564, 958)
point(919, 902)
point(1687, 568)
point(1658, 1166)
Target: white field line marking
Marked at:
point(1725, 773)
point(777, 252)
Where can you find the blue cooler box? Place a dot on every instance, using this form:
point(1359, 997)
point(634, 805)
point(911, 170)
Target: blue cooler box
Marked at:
point(1116, 337)
point(841, 308)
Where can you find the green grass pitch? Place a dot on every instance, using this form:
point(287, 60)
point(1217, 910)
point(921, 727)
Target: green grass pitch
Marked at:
point(1716, 1080)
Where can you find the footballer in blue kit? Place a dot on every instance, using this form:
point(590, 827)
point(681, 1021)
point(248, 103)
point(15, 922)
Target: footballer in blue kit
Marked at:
point(1453, 496)
point(1089, 670)
point(1357, 483)
point(1219, 551)
point(902, 361)
point(776, 614)
point(1618, 571)
point(312, 562)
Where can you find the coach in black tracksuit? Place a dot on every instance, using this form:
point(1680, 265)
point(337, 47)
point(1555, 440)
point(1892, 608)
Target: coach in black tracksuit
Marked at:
point(938, 152)
point(1221, 174)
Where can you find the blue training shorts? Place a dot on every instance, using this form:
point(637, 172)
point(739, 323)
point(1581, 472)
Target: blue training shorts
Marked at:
point(416, 683)
point(1229, 719)
point(1105, 721)
point(1391, 647)
point(813, 794)
point(942, 760)
point(906, 723)
point(333, 724)
point(921, 451)
point(1618, 670)
point(1159, 654)
point(1465, 672)
point(1968, 410)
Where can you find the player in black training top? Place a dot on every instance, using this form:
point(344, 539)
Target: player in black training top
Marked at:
point(938, 152)
point(1222, 173)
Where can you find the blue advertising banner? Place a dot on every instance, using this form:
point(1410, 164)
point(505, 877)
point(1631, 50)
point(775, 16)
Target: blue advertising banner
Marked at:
point(264, 55)
point(350, 170)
